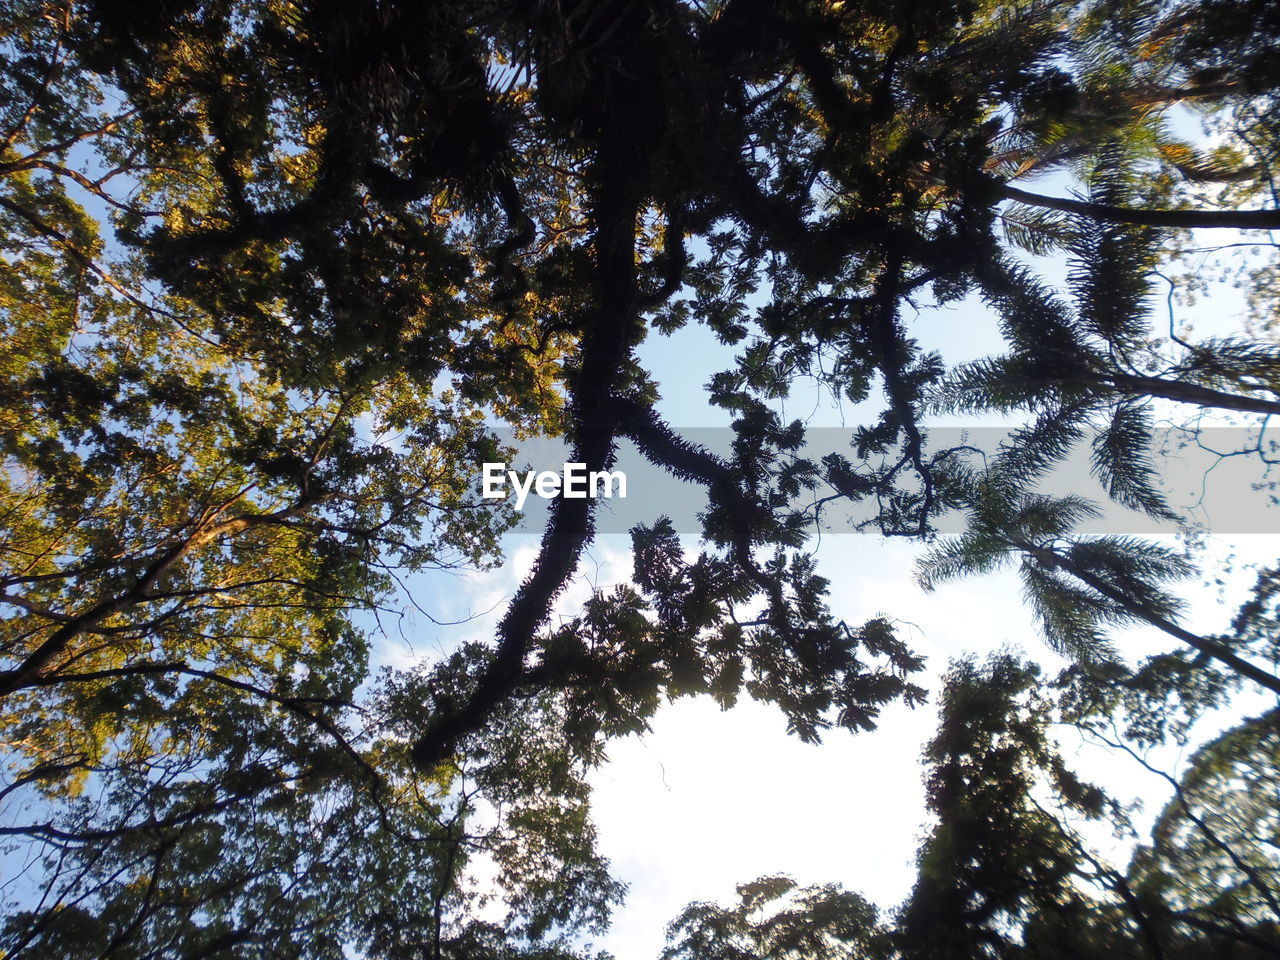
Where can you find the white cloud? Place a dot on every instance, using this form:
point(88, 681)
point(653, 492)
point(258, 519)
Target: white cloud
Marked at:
point(710, 799)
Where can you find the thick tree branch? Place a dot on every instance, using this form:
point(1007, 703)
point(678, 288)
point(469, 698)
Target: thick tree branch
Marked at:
point(1173, 219)
point(1209, 647)
point(1191, 393)
point(608, 335)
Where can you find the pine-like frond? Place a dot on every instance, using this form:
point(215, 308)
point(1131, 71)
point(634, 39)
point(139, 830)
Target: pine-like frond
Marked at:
point(1224, 164)
point(1031, 451)
point(1070, 614)
point(970, 554)
point(1112, 263)
point(1121, 459)
point(1225, 362)
point(1033, 319)
point(1135, 567)
point(1038, 230)
point(992, 383)
point(1038, 517)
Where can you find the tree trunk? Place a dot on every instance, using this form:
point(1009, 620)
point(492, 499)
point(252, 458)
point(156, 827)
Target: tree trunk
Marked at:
point(1186, 219)
point(1212, 648)
point(1192, 393)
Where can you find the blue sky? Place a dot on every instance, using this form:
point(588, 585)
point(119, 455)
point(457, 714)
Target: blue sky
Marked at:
point(708, 799)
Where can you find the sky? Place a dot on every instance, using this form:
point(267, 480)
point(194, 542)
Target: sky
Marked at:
point(708, 799)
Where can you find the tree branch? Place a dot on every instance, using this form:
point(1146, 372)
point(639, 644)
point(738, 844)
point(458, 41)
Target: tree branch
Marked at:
point(1172, 219)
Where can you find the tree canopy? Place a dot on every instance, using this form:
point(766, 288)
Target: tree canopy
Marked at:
point(275, 274)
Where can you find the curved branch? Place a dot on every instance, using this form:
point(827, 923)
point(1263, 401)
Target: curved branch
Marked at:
point(607, 339)
point(140, 592)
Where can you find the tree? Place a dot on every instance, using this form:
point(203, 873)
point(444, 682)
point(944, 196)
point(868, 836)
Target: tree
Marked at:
point(271, 267)
point(250, 833)
point(997, 857)
point(199, 523)
point(1077, 587)
point(776, 920)
point(1005, 872)
point(1211, 855)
